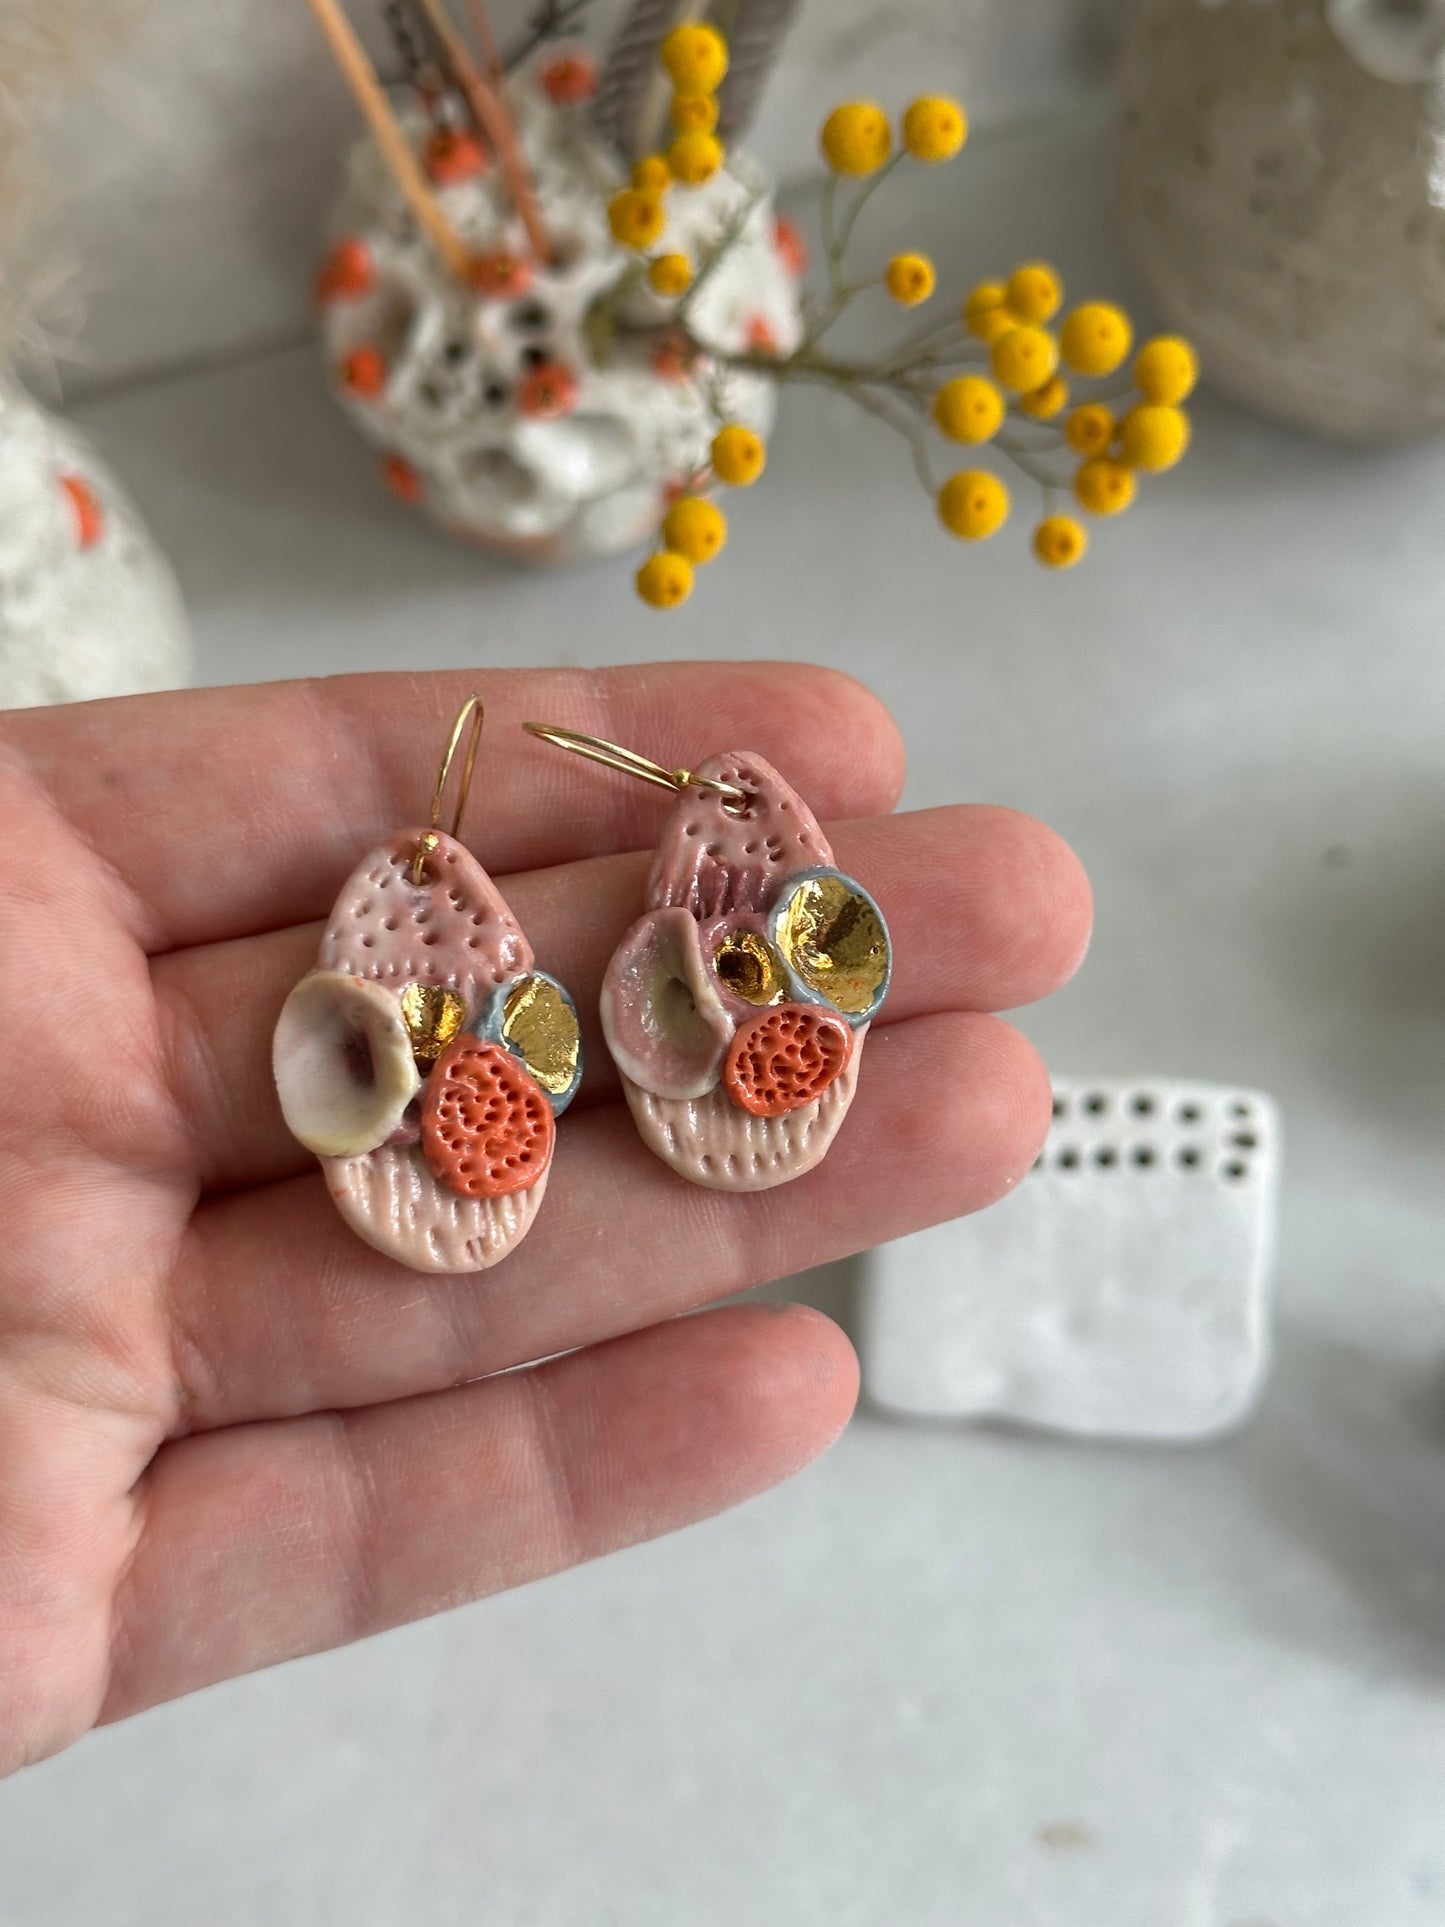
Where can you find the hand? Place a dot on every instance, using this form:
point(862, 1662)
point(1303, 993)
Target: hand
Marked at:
point(230, 1432)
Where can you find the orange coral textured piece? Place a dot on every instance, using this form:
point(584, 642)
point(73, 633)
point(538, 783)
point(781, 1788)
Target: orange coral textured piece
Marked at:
point(785, 1058)
point(486, 1127)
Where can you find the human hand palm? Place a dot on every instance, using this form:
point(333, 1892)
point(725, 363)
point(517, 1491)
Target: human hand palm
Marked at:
point(230, 1432)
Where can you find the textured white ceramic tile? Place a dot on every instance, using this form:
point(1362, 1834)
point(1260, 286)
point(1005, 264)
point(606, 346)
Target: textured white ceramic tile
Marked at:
point(1121, 1291)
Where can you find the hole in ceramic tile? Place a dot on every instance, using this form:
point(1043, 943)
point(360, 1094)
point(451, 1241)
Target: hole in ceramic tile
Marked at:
point(1096, 1104)
point(1245, 1141)
point(1068, 1159)
point(1106, 1157)
point(1188, 1158)
point(1061, 1107)
point(1239, 1108)
point(1188, 1113)
point(1142, 1104)
point(1143, 1156)
point(1234, 1170)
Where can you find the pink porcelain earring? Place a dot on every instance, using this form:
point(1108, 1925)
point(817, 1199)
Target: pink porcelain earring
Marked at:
point(424, 1060)
point(737, 1005)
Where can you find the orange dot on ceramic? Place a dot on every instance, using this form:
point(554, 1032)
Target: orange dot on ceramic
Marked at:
point(792, 247)
point(401, 478)
point(673, 359)
point(501, 273)
point(487, 1130)
point(363, 371)
point(85, 506)
point(451, 156)
point(785, 1058)
point(570, 79)
point(761, 336)
point(549, 391)
point(348, 271)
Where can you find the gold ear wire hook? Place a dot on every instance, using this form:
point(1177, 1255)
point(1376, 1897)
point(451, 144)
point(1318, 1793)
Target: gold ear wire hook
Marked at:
point(614, 756)
point(473, 708)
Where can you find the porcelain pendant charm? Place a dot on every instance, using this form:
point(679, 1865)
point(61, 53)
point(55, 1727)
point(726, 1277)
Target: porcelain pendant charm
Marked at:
point(737, 1006)
point(425, 1060)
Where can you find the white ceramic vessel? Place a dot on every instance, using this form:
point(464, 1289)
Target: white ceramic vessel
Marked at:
point(495, 411)
point(88, 606)
point(1122, 1291)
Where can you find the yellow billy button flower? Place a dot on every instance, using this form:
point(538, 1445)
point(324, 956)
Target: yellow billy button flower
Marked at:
point(635, 217)
point(910, 279)
point(670, 274)
point(1044, 403)
point(1034, 291)
point(856, 138)
point(972, 504)
point(1153, 436)
point(1060, 541)
point(968, 409)
point(1104, 487)
point(1090, 429)
point(738, 455)
point(695, 529)
point(1095, 338)
point(652, 174)
point(984, 313)
point(696, 58)
point(934, 128)
point(694, 158)
point(694, 113)
point(664, 580)
point(1166, 369)
point(1025, 358)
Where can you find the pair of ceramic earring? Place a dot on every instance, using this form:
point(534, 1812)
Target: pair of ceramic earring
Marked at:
point(425, 1060)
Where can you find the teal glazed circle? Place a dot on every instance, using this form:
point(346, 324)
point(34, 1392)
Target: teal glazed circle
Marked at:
point(489, 1026)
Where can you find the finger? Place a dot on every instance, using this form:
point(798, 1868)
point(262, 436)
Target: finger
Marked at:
point(270, 1541)
point(277, 1308)
point(226, 811)
point(987, 910)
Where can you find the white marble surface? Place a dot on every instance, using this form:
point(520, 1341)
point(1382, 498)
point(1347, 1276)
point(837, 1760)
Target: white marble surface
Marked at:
point(949, 1678)
point(195, 175)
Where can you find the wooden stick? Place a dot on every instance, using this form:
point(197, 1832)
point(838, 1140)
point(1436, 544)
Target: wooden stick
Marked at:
point(495, 123)
point(487, 41)
point(396, 149)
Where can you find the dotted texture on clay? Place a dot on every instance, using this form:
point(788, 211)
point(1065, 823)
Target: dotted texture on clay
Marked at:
point(716, 860)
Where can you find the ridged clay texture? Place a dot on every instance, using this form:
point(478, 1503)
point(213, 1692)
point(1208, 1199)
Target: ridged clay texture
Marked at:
point(726, 871)
point(453, 929)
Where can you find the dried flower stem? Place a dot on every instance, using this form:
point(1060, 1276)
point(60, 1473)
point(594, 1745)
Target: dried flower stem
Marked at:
point(495, 122)
point(486, 41)
point(396, 150)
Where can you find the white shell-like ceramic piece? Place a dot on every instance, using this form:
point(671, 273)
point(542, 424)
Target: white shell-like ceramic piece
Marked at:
point(1122, 1290)
point(88, 605)
point(598, 477)
point(452, 929)
point(721, 870)
point(343, 1060)
point(662, 1014)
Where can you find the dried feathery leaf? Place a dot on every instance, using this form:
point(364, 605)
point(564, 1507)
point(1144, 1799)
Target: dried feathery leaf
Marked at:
point(45, 48)
point(632, 98)
point(755, 38)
